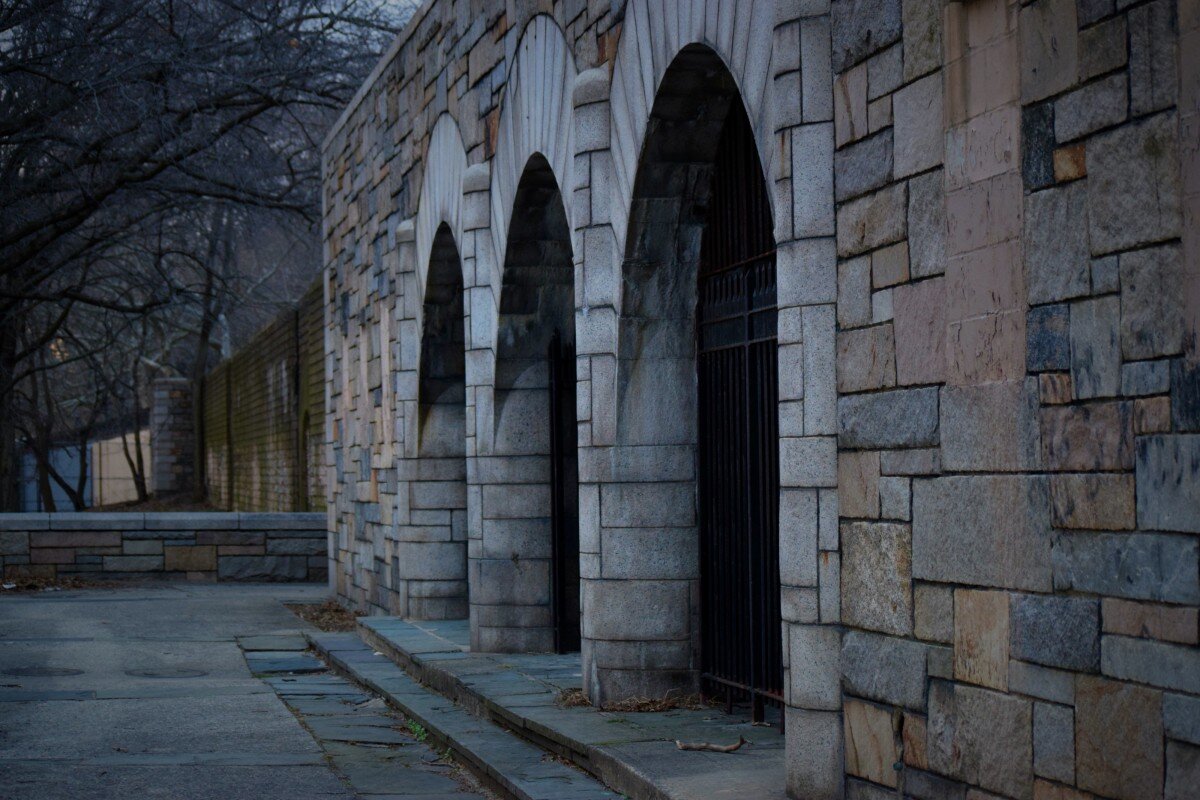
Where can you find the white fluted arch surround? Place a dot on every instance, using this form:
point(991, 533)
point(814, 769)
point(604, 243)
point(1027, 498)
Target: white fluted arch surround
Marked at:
point(738, 31)
point(535, 117)
point(441, 192)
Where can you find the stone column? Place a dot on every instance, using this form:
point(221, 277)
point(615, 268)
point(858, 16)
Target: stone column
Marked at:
point(172, 436)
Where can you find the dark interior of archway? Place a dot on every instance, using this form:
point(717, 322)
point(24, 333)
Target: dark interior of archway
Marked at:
point(535, 373)
point(698, 339)
point(738, 406)
point(443, 353)
point(538, 295)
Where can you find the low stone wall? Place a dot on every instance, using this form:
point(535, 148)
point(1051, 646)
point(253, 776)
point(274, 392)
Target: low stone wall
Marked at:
point(165, 546)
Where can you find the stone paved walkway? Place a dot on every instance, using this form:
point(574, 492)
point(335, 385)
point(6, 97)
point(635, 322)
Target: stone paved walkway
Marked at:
point(633, 753)
point(143, 692)
point(373, 748)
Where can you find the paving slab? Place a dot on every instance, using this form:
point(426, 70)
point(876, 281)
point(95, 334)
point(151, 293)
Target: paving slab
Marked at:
point(373, 749)
point(515, 766)
point(633, 753)
point(142, 692)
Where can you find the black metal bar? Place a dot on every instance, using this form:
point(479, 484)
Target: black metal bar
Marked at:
point(553, 359)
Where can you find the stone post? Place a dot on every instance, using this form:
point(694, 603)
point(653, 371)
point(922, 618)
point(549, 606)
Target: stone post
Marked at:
point(172, 436)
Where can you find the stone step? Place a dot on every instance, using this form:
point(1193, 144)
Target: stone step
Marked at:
point(370, 746)
point(632, 752)
point(513, 766)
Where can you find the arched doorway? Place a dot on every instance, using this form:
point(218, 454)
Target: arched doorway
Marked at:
point(698, 370)
point(531, 527)
point(738, 453)
point(436, 536)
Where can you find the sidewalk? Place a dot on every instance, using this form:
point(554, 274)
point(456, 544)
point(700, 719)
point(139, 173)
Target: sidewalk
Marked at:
point(633, 753)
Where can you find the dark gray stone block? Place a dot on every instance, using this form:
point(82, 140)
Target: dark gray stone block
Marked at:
point(862, 27)
point(1168, 482)
point(1059, 632)
point(297, 546)
point(1048, 346)
point(1089, 11)
point(305, 520)
point(884, 668)
point(1181, 717)
point(1057, 263)
point(1037, 146)
point(1096, 347)
point(262, 568)
point(863, 166)
point(1054, 742)
point(1139, 566)
point(24, 522)
point(900, 418)
point(191, 520)
point(1162, 664)
point(1185, 395)
point(1140, 378)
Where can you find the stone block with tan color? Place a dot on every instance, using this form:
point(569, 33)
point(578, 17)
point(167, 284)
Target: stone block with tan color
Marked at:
point(1118, 739)
point(981, 625)
point(871, 748)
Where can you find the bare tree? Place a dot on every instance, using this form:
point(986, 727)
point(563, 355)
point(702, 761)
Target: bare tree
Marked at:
point(142, 144)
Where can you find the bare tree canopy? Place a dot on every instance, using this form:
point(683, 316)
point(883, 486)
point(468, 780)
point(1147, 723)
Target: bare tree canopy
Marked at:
point(151, 153)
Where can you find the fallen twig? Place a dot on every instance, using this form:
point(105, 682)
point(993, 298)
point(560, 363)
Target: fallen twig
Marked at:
point(716, 748)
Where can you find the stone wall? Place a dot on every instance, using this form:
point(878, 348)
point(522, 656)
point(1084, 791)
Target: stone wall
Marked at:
point(263, 416)
point(985, 217)
point(1018, 558)
point(172, 436)
point(199, 546)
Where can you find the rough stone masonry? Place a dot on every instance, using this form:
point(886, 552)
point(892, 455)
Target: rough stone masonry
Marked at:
point(987, 225)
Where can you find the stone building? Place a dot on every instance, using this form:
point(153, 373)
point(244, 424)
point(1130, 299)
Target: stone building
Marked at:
point(841, 356)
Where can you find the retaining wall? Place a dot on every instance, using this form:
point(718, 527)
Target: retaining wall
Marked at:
point(164, 546)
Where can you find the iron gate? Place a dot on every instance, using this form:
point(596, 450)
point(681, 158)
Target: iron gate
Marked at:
point(564, 496)
point(741, 629)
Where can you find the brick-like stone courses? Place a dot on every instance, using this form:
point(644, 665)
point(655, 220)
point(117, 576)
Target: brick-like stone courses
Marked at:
point(435, 99)
point(207, 546)
point(989, 400)
point(1018, 467)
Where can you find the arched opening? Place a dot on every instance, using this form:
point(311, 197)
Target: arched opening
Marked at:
point(698, 374)
point(436, 534)
point(531, 526)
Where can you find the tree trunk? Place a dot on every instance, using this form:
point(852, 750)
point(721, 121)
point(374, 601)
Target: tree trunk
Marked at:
point(218, 248)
